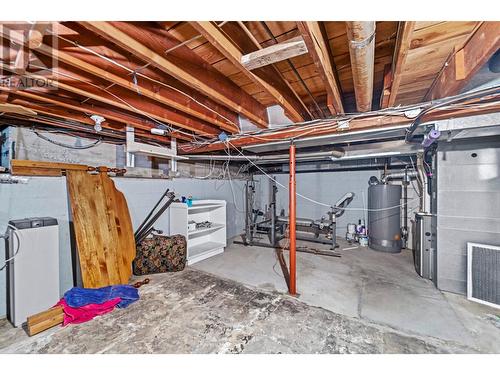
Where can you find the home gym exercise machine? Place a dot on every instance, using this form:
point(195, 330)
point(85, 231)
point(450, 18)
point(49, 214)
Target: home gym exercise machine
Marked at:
point(267, 222)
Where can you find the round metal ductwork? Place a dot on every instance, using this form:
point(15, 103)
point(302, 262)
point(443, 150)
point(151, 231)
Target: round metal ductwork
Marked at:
point(494, 63)
point(373, 181)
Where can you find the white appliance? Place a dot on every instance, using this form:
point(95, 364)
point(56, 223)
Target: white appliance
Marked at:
point(33, 272)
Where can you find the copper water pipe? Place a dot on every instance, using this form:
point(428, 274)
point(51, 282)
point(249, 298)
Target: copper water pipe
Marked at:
point(292, 217)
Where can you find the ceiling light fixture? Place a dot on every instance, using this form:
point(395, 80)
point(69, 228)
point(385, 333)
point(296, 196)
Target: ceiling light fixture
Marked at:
point(98, 120)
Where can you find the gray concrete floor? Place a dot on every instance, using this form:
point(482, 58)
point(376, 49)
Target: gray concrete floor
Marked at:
point(363, 302)
point(195, 312)
point(375, 287)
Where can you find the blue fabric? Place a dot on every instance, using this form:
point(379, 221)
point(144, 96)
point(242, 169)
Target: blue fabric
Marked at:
point(77, 297)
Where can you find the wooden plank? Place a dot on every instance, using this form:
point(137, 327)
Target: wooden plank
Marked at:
point(403, 40)
point(386, 87)
point(161, 94)
point(44, 320)
point(484, 42)
point(128, 103)
point(81, 113)
point(33, 39)
point(15, 108)
point(460, 71)
point(278, 52)
point(4, 96)
point(80, 86)
point(117, 133)
point(22, 60)
point(56, 113)
point(215, 87)
point(318, 50)
point(86, 108)
point(271, 73)
point(219, 40)
point(103, 229)
point(27, 171)
point(441, 32)
point(119, 215)
point(42, 168)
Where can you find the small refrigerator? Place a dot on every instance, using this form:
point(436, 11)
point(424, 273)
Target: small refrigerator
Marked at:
point(33, 271)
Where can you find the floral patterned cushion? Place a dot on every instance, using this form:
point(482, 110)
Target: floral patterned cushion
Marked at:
point(160, 254)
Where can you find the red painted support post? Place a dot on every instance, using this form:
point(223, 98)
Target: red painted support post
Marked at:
point(292, 217)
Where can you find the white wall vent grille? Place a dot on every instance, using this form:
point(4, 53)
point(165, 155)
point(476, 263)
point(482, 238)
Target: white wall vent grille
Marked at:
point(483, 274)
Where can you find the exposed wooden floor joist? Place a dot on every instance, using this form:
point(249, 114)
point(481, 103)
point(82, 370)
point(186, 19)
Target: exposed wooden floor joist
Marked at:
point(216, 89)
point(189, 75)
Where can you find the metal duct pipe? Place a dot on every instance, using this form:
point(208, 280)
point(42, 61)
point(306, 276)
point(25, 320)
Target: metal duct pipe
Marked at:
point(274, 158)
point(424, 196)
point(494, 63)
point(361, 37)
point(307, 155)
point(222, 157)
point(397, 175)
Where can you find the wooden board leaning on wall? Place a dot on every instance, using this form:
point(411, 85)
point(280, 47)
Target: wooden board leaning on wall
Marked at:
point(103, 229)
point(100, 217)
point(51, 169)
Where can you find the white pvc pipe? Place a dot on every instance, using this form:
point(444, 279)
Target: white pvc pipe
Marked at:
point(275, 158)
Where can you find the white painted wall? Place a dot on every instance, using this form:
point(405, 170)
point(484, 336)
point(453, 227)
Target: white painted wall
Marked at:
point(47, 196)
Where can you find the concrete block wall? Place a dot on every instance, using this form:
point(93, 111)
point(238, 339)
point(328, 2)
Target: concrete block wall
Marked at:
point(328, 187)
point(468, 205)
point(47, 196)
point(26, 145)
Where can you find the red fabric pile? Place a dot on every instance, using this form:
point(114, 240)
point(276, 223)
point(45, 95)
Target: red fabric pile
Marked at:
point(88, 312)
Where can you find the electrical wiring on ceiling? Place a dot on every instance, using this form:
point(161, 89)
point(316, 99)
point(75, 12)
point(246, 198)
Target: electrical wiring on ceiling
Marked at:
point(482, 95)
point(308, 198)
point(104, 135)
point(304, 128)
point(315, 125)
point(231, 182)
point(65, 145)
point(137, 73)
point(171, 130)
point(308, 127)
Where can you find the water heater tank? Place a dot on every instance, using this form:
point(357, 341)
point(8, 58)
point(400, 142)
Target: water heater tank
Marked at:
point(384, 218)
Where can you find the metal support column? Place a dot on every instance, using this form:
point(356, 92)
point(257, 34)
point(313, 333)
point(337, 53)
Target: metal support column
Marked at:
point(333, 228)
point(173, 161)
point(292, 222)
point(272, 209)
point(249, 226)
point(406, 182)
point(130, 137)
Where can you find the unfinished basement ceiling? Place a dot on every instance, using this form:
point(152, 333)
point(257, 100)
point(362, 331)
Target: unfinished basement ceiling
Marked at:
point(189, 76)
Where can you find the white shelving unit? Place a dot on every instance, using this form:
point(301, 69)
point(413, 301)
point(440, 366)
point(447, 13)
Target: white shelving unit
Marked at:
point(202, 243)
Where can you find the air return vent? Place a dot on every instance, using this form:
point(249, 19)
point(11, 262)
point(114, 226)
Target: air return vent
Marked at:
point(483, 274)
